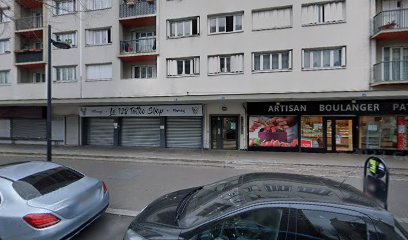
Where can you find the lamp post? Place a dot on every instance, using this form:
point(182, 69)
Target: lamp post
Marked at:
point(61, 45)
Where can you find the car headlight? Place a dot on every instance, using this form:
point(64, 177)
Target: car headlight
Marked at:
point(131, 235)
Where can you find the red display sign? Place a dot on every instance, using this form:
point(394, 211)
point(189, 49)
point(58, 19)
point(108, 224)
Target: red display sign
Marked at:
point(402, 134)
point(306, 143)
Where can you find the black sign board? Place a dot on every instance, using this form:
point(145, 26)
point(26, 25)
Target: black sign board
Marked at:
point(366, 107)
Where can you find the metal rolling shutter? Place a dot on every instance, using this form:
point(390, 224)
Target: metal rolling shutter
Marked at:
point(184, 132)
point(100, 131)
point(141, 132)
point(29, 128)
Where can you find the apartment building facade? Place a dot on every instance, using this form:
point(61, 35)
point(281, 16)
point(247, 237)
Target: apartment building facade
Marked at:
point(314, 76)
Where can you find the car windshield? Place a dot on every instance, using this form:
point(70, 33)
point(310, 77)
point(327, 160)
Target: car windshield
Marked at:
point(211, 201)
point(44, 182)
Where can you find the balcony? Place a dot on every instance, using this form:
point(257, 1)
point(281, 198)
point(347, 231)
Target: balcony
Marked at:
point(391, 25)
point(137, 9)
point(29, 23)
point(29, 56)
point(393, 72)
point(138, 50)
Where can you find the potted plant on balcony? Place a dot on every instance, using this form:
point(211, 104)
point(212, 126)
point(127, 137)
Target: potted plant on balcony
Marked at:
point(389, 25)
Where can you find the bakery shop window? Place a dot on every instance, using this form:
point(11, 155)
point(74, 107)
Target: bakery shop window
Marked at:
point(312, 132)
point(273, 131)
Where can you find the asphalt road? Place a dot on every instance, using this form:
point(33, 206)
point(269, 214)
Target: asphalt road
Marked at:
point(133, 185)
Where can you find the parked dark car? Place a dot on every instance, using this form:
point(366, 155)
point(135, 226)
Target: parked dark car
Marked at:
point(266, 206)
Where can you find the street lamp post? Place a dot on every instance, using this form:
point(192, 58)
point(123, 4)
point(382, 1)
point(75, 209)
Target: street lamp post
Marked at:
point(61, 45)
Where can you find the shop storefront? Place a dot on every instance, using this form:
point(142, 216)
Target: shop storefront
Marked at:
point(173, 126)
point(333, 126)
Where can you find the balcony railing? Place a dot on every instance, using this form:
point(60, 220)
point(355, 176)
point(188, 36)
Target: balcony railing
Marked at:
point(29, 23)
point(29, 56)
point(145, 45)
point(393, 71)
point(134, 9)
point(391, 19)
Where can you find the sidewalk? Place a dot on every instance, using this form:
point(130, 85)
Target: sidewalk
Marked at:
point(203, 157)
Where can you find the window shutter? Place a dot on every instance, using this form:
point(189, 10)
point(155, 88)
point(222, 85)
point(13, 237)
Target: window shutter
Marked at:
point(303, 58)
point(290, 59)
point(196, 65)
point(89, 39)
point(198, 25)
point(343, 56)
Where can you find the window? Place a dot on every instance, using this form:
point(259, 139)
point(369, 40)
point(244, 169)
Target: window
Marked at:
point(142, 72)
point(66, 73)
point(45, 182)
point(226, 23)
point(67, 37)
point(272, 18)
point(324, 58)
point(99, 71)
point(264, 223)
point(4, 46)
point(5, 15)
point(64, 7)
point(98, 37)
point(98, 4)
point(319, 13)
point(183, 28)
point(272, 61)
point(5, 77)
point(226, 64)
point(183, 67)
point(38, 77)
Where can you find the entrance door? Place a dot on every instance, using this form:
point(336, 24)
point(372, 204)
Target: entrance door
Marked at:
point(395, 63)
point(339, 134)
point(143, 42)
point(224, 132)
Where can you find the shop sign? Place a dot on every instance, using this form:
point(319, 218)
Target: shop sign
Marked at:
point(143, 111)
point(332, 107)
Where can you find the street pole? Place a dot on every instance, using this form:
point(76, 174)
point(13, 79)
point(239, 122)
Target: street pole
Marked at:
point(49, 97)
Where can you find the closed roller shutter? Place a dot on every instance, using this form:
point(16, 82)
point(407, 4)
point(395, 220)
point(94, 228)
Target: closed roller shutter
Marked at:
point(29, 128)
point(141, 132)
point(184, 132)
point(100, 131)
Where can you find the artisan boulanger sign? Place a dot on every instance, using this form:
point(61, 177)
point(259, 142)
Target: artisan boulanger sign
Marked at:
point(330, 107)
point(142, 111)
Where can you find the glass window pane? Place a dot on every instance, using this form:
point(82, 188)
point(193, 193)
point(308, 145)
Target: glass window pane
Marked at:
point(257, 62)
point(213, 25)
point(326, 58)
point(228, 63)
point(337, 57)
point(312, 132)
point(180, 29)
point(306, 60)
point(143, 73)
point(187, 28)
point(285, 60)
point(180, 64)
point(222, 64)
point(317, 59)
point(275, 61)
point(173, 29)
point(266, 59)
point(187, 66)
point(149, 72)
point(221, 24)
point(238, 22)
point(137, 72)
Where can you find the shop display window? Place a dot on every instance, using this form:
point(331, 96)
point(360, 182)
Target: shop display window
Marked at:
point(312, 132)
point(383, 132)
point(273, 131)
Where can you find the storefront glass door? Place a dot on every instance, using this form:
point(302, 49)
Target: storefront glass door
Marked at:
point(339, 134)
point(224, 132)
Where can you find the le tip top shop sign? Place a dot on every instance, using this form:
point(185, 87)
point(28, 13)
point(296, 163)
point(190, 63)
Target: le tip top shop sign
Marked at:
point(379, 107)
point(143, 111)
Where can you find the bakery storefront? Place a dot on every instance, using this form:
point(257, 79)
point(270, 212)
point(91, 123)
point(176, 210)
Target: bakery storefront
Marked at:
point(331, 126)
point(171, 126)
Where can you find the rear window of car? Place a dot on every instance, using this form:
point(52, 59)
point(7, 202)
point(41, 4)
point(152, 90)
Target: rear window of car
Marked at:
point(44, 182)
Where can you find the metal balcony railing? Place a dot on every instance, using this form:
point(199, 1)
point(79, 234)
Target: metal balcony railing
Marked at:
point(133, 8)
point(391, 19)
point(391, 71)
point(29, 23)
point(29, 56)
point(145, 45)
